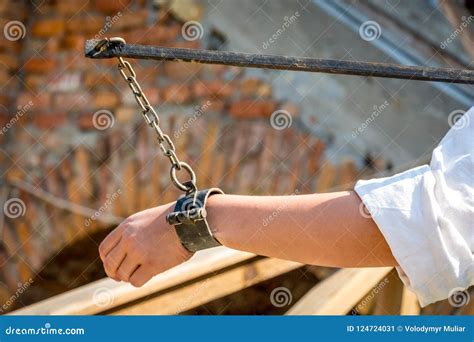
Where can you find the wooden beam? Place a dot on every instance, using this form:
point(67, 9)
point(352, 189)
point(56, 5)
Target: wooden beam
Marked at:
point(83, 300)
point(409, 304)
point(211, 288)
point(389, 298)
point(455, 13)
point(340, 292)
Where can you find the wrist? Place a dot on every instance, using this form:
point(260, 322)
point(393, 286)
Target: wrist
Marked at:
point(218, 217)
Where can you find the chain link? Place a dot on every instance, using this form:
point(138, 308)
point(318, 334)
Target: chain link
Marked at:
point(152, 119)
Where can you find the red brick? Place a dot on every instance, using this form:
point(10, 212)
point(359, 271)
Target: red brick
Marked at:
point(48, 27)
point(106, 99)
point(247, 109)
point(71, 7)
point(214, 105)
point(253, 87)
point(177, 94)
point(215, 88)
point(5, 100)
point(40, 101)
point(125, 115)
point(157, 35)
point(87, 24)
point(86, 121)
point(34, 81)
point(64, 82)
point(40, 65)
point(9, 61)
point(153, 95)
point(73, 42)
point(111, 6)
point(77, 101)
point(95, 79)
point(49, 120)
point(128, 21)
point(181, 71)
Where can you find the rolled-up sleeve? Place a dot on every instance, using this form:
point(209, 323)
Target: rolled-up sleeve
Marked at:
point(426, 215)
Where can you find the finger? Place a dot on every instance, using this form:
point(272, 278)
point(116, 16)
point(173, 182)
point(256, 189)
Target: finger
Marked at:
point(127, 267)
point(110, 242)
point(141, 275)
point(114, 259)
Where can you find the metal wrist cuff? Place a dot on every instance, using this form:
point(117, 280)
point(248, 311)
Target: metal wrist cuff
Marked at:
point(189, 220)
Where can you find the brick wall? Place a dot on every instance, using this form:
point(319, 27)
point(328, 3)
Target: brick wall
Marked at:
point(73, 136)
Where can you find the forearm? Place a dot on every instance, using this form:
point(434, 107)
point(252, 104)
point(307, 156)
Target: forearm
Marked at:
point(320, 229)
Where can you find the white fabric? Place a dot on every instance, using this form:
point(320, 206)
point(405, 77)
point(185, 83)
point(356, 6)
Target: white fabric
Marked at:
point(426, 214)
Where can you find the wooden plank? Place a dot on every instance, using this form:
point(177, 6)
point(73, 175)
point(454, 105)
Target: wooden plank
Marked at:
point(389, 297)
point(456, 14)
point(340, 292)
point(409, 304)
point(325, 177)
point(81, 301)
point(206, 290)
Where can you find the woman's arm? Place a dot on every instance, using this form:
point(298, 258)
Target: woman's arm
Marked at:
point(321, 229)
point(329, 229)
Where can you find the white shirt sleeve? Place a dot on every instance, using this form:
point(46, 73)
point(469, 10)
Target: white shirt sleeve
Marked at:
point(426, 214)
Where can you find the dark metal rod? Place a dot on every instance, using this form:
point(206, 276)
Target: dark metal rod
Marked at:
point(332, 66)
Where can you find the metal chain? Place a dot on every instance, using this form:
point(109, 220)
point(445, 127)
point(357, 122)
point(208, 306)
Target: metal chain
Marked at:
point(152, 119)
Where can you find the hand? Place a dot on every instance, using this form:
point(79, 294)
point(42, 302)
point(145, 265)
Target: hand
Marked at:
point(142, 246)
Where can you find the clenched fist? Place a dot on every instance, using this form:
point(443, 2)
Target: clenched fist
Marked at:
point(142, 246)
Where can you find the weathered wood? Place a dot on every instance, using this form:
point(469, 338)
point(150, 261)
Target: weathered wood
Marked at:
point(331, 66)
point(206, 290)
point(81, 301)
point(409, 305)
point(340, 292)
point(389, 297)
